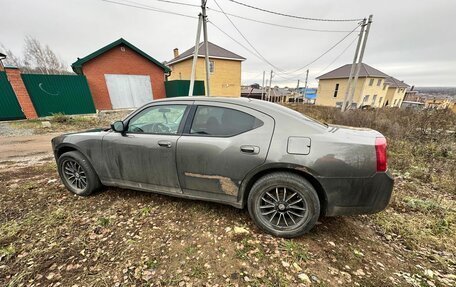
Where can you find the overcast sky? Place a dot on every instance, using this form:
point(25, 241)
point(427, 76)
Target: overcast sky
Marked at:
point(414, 41)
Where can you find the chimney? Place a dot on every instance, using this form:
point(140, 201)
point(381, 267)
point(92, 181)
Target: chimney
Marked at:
point(176, 52)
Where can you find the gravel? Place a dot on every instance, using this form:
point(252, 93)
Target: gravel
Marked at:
point(6, 129)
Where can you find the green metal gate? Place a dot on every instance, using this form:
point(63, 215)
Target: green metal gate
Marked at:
point(179, 88)
point(9, 106)
point(51, 94)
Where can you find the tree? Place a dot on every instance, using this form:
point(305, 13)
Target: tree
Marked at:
point(11, 59)
point(37, 58)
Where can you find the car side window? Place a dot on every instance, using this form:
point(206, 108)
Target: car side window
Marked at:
point(163, 119)
point(218, 121)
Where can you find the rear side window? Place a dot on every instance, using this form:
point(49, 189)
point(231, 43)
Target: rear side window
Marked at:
point(223, 122)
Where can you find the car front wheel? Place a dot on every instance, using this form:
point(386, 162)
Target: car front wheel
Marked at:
point(77, 173)
point(284, 204)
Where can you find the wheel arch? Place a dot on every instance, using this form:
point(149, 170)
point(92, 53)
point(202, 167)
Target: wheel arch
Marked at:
point(67, 147)
point(302, 171)
point(63, 148)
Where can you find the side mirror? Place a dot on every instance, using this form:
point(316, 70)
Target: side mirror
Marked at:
point(118, 126)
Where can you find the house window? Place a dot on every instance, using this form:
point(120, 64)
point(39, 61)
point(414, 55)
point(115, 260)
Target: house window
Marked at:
point(371, 82)
point(336, 90)
point(211, 67)
point(384, 86)
point(394, 103)
point(380, 101)
point(366, 99)
point(379, 82)
point(399, 103)
point(373, 99)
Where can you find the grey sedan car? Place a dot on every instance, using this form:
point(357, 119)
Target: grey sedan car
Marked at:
point(288, 169)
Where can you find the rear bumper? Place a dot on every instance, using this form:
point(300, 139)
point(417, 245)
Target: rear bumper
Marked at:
point(349, 196)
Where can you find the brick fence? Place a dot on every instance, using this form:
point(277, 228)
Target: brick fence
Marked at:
point(23, 97)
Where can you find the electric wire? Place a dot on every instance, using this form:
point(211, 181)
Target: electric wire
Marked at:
point(179, 3)
point(326, 52)
point(149, 8)
point(255, 20)
point(279, 25)
point(245, 38)
point(294, 16)
point(257, 54)
point(340, 55)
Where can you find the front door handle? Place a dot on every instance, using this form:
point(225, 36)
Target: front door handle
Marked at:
point(250, 149)
point(164, 144)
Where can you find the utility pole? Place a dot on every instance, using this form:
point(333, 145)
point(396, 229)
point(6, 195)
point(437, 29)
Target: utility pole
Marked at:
point(270, 85)
point(262, 87)
point(352, 70)
point(297, 91)
point(305, 86)
point(360, 61)
point(195, 55)
point(206, 45)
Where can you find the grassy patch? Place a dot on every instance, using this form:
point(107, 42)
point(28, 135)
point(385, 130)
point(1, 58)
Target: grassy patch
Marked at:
point(295, 250)
point(103, 221)
point(7, 251)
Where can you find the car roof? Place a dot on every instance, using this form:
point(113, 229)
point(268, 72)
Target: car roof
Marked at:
point(240, 101)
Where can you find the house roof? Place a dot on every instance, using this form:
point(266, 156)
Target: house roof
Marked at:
point(344, 72)
point(214, 52)
point(395, 83)
point(77, 66)
point(250, 90)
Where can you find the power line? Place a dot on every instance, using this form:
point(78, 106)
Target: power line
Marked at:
point(149, 8)
point(257, 54)
point(280, 25)
point(245, 38)
point(294, 16)
point(340, 55)
point(179, 3)
point(254, 20)
point(326, 52)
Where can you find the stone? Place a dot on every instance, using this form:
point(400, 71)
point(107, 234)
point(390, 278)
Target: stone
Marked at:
point(240, 230)
point(46, 124)
point(304, 278)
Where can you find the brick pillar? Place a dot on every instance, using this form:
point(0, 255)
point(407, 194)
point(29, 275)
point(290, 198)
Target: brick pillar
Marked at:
point(15, 79)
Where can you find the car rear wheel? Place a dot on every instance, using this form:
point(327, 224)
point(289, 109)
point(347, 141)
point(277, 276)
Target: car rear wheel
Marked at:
point(77, 173)
point(284, 204)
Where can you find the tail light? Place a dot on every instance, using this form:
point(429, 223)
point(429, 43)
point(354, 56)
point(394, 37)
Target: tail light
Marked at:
point(380, 151)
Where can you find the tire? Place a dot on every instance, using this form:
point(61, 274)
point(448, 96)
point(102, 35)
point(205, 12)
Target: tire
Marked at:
point(296, 207)
point(84, 180)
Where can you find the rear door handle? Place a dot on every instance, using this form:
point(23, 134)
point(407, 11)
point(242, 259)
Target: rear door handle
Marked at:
point(164, 144)
point(250, 149)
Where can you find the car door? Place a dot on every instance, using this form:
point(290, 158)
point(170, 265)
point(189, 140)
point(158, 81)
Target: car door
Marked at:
point(221, 143)
point(145, 155)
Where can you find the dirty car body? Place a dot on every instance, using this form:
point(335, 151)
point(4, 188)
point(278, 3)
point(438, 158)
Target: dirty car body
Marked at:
point(219, 149)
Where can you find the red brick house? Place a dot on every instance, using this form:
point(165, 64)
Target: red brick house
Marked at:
point(122, 76)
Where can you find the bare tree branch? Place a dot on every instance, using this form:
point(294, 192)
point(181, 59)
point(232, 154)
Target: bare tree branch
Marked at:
point(37, 58)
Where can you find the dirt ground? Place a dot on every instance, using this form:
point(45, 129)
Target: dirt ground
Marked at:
point(26, 149)
point(49, 237)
